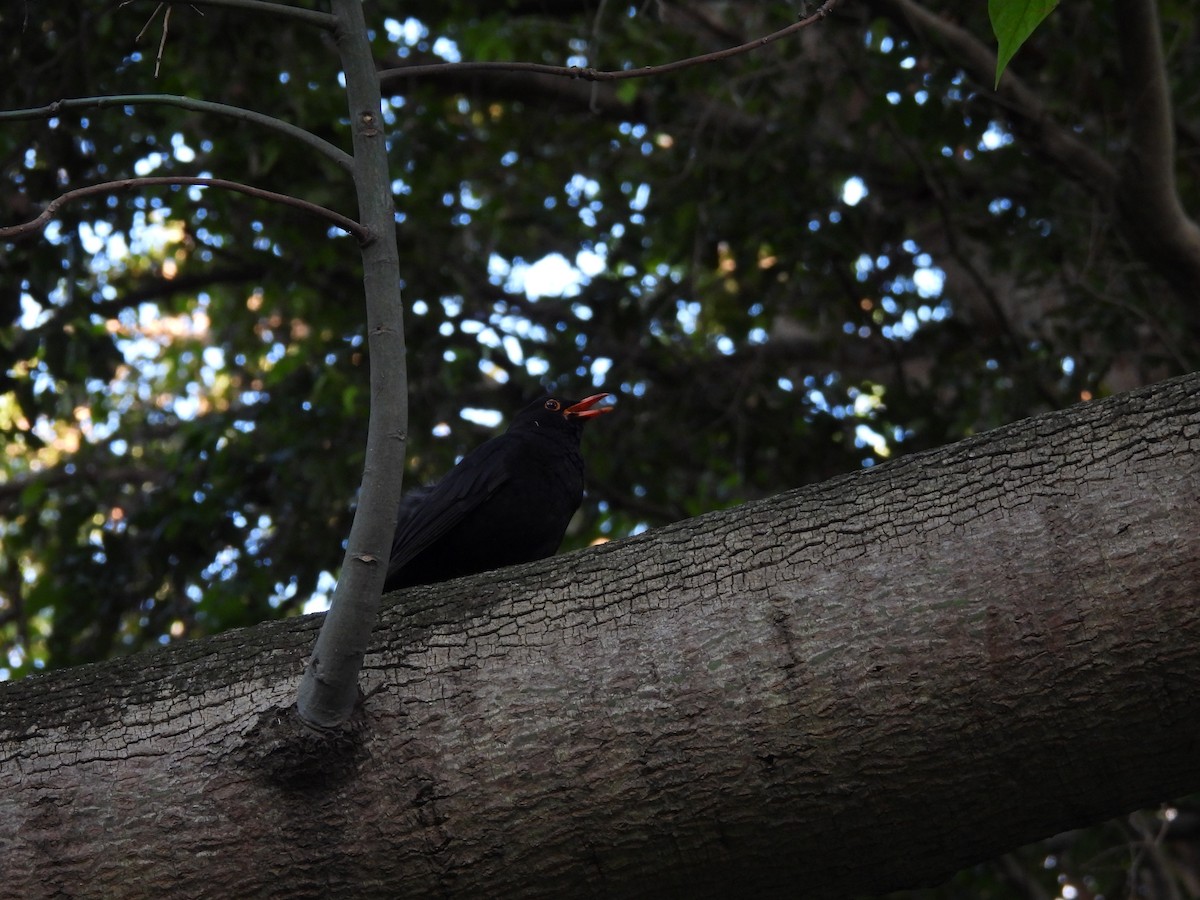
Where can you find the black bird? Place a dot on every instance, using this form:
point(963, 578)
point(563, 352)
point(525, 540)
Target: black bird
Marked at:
point(509, 500)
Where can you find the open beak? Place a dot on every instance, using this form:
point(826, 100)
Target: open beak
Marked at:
point(583, 409)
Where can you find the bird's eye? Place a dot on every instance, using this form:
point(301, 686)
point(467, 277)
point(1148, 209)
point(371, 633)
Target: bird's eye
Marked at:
point(553, 405)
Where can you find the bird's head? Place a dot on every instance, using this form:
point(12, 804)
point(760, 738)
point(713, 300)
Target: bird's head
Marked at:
point(559, 414)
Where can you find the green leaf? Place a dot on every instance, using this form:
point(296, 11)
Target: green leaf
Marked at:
point(1013, 21)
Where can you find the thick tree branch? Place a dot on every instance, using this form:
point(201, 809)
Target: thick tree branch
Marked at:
point(1146, 193)
point(770, 696)
point(336, 219)
point(590, 74)
point(337, 155)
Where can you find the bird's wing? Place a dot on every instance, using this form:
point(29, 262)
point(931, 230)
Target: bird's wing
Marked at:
point(433, 511)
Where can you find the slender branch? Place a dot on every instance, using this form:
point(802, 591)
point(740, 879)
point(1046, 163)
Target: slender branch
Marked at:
point(328, 690)
point(337, 155)
point(590, 74)
point(276, 10)
point(602, 100)
point(347, 225)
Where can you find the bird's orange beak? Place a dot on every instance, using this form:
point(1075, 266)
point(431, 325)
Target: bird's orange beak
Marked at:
point(583, 409)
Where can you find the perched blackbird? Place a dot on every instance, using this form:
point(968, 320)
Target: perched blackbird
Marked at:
point(509, 500)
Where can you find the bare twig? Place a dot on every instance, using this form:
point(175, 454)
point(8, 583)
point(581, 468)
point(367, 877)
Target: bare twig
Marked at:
point(341, 157)
point(162, 41)
point(141, 34)
point(1149, 848)
point(166, 28)
point(590, 74)
point(347, 225)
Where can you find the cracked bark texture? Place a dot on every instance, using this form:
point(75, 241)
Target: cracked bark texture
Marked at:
point(853, 687)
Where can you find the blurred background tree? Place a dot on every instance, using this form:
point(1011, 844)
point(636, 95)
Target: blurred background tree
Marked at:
point(843, 247)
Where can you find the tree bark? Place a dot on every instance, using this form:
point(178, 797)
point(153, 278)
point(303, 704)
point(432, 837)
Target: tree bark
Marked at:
point(853, 687)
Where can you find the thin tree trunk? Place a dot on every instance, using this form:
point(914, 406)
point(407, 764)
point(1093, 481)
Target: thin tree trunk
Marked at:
point(853, 687)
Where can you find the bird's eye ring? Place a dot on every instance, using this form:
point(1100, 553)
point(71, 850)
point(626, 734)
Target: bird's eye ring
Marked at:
point(553, 405)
